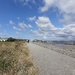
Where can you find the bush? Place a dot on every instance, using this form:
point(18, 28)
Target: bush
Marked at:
point(11, 39)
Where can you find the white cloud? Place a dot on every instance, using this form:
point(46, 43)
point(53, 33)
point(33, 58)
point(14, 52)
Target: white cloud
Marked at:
point(25, 2)
point(66, 6)
point(70, 30)
point(32, 18)
point(15, 28)
point(47, 5)
point(30, 26)
point(39, 33)
point(63, 5)
point(11, 22)
point(66, 9)
point(48, 30)
point(68, 19)
point(44, 23)
point(23, 25)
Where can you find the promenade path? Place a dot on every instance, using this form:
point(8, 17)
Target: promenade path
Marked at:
point(50, 62)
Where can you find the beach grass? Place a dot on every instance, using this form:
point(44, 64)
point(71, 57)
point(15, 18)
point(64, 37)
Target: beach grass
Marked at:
point(15, 59)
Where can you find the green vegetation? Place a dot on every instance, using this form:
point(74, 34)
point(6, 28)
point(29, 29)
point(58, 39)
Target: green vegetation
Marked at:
point(15, 59)
point(11, 39)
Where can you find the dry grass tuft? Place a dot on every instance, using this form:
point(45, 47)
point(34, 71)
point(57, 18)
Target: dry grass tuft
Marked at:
point(15, 59)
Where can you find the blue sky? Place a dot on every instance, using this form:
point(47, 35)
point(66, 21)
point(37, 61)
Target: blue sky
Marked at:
point(37, 19)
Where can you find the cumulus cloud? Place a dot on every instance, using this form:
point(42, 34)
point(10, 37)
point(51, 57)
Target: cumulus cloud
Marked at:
point(39, 33)
point(63, 5)
point(11, 22)
point(68, 19)
point(66, 9)
point(32, 18)
point(44, 23)
point(47, 5)
point(70, 30)
point(47, 29)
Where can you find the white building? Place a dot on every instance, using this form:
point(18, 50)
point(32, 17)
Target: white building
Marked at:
point(3, 39)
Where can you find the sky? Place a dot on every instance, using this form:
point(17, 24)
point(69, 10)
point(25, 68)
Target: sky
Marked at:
point(37, 19)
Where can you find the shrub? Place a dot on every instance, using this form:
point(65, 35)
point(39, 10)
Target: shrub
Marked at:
point(11, 39)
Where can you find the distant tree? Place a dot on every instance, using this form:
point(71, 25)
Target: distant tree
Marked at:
point(11, 39)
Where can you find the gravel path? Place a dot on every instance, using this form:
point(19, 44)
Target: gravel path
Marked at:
point(50, 62)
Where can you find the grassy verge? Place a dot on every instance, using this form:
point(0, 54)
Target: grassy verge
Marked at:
point(15, 59)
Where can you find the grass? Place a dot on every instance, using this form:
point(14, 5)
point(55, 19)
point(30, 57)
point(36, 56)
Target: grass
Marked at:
point(15, 59)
